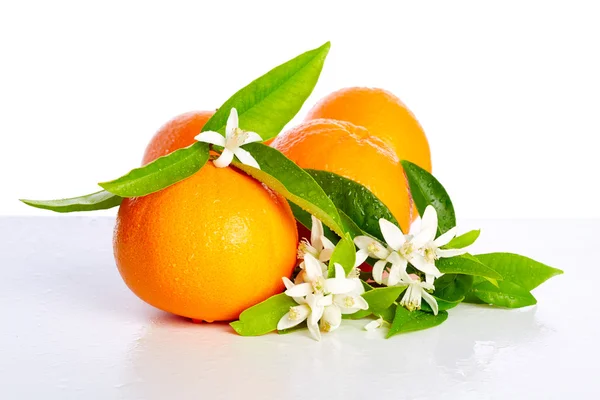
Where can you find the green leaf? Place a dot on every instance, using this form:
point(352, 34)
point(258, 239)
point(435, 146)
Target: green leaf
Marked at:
point(410, 321)
point(507, 294)
point(161, 173)
point(289, 180)
point(101, 200)
point(464, 240)
point(347, 224)
point(343, 254)
point(263, 317)
point(520, 270)
point(443, 305)
point(426, 190)
point(355, 200)
point(271, 101)
point(466, 265)
point(350, 226)
point(387, 314)
point(379, 299)
point(453, 287)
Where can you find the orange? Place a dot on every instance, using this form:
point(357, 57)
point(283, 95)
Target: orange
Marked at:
point(353, 152)
point(207, 247)
point(384, 115)
point(176, 134)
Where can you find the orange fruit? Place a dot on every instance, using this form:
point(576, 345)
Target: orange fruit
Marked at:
point(353, 152)
point(207, 247)
point(176, 134)
point(383, 114)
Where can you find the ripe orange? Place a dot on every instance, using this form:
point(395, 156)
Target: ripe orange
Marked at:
point(176, 134)
point(384, 115)
point(353, 152)
point(207, 247)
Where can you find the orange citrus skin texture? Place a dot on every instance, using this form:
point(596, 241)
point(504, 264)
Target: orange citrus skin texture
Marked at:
point(383, 114)
point(353, 152)
point(207, 247)
point(176, 134)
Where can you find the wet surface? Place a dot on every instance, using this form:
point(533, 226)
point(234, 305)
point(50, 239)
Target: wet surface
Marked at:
point(71, 329)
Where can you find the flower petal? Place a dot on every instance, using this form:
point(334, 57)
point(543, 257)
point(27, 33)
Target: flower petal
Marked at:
point(224, 159)
point(431, 301)
point(211, 137)
point(361, 257)
point(429, 221)
point(360, 303)
point(287, 282)
point(232, 122)
point(339, 272)
point(422, 238)
point(332, 318)
point(252, 137)
point(339, 285)
point(316, 232)
point(299, 313)
point(327, 244)
point(312, 266)
point(392, 234)
point(377, 272)
point(300, 290)
point(325, 254)
point(445, 238)
point(371, 326)
point(397, 273)
point(325, 300)
point(245, 157)
point(418, 261)
point(446, 253)
point(362, 242)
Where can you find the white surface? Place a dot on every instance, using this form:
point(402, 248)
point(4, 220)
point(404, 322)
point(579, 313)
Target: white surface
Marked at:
point(507, 91)
point(72, 330)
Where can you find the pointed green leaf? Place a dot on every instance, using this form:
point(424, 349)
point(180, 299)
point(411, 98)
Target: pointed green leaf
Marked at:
point(271, 101)
point(343, 254)
point(101, 200)
point(507, 294)
point(161, 173)
point(263, 317)
point(289, 180)
point(520, 270)
point(453, 287)
point(467, 265)
point(443, 305)
point(464, 240)
point(355, 200)
point(410, 321)
point(426, 190)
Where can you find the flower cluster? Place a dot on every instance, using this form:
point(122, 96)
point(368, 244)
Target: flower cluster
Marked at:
point(321, 301)
point(419, 249)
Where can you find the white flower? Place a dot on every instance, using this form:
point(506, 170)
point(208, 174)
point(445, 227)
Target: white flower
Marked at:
point(322, 299)
point(431, 248)
point(401, 250)
point(316, 283)
point(311, 311)
point(232, 142)
point(343, 303)
point(416, 290)
point(319, 246)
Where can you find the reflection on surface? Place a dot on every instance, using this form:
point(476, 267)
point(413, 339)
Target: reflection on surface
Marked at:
point(480, 333)
point(174, 357)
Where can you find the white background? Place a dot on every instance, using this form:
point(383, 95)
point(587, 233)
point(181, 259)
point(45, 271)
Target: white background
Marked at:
point(507, 91)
